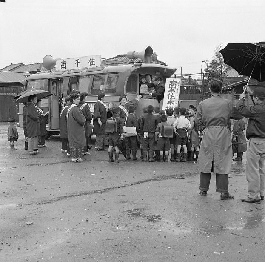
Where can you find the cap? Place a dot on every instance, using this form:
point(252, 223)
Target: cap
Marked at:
point(259, 92)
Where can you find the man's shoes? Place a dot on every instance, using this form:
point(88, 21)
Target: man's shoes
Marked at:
point(251, 200)
point(203, 193)
point(226, 196)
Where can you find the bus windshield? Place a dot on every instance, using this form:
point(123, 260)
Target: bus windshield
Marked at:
point(38, 84)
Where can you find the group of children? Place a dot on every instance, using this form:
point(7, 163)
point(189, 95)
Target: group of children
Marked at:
point(160, 135)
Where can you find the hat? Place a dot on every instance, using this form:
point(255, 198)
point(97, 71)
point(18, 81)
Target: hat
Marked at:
point(259, 92)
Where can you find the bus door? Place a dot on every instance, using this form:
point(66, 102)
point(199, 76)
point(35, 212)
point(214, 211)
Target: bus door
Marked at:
point(54, 115)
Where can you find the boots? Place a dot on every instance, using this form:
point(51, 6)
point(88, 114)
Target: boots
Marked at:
point(128, 153)
point(196, 155)
point(190, 156)
point(111, 156)
point(177, 157)
point(134, 154)
point(117, 157)
point(144, 159)
point(239, 157)
point(142, 154)
point(166, 158)
point(184, 157)
point(26, 145)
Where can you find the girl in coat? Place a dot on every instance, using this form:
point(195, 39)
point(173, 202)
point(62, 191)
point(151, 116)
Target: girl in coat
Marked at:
point(75, 129)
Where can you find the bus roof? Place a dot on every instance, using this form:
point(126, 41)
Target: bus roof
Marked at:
point(137, 67)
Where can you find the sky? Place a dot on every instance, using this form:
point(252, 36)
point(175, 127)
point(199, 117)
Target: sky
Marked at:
point(183, 33)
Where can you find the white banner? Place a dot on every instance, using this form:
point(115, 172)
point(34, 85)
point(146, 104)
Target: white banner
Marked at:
point(171, 96)
point(78, 63)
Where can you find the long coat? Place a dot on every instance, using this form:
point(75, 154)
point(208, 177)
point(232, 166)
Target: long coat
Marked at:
point(75, 127)
point(63, 122)
point(32, 121)
point(85, 109)
point(216, 147)
point(100, 112)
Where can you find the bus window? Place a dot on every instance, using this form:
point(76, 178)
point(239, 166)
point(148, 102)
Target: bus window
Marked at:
point(98, 84)
point(73, 83)
point(132, 84)
point(38, 84)
point(111, 83)
point(85, 84)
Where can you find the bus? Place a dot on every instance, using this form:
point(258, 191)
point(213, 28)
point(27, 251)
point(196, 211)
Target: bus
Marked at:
point(113, 80)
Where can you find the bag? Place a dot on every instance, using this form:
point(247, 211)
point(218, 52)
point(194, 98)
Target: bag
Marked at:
point(111, 126)
point(167, 131)
point(129, 131)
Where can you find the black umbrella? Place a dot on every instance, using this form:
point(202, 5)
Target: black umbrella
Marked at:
point(23, 97)
point(246, 58)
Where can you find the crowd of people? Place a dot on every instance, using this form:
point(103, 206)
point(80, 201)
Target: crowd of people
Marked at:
point(157, 134)
point(175, 134)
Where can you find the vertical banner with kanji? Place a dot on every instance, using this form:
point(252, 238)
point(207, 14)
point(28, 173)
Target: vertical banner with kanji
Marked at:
point(171, 96)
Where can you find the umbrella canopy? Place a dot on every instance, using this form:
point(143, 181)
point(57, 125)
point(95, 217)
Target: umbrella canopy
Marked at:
point(23, 97)
point(246, 58)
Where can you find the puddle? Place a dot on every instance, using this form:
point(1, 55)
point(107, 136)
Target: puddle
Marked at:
point(153, 218)
point(174, 228)
point(135, 213)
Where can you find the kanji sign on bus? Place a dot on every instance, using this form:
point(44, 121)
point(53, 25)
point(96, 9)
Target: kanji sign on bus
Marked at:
point(171, 96)
point(78, 63)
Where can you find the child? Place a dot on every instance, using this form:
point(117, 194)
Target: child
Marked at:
point(239, 143)
point(140, 133)
point(170, 120)
point(12, 132)
point(157, 114)
point(163, 143)
point(181, 126)
point(114, 129)
point(194, 138)
point(149, 125)
point(131, 141)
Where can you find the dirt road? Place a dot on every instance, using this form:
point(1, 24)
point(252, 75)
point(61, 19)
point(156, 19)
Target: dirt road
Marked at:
point(55, 210)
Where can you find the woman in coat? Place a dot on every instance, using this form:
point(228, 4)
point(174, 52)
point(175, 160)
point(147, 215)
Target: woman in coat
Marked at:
point(32, 125)
point(75, 129)
point(63, 126)
point(100, 118)
point(216, 148)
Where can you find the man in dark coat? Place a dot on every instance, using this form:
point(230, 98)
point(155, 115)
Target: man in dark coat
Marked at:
point(100, 118)
point(85, 109)
point(159, 90)
point(32, 125)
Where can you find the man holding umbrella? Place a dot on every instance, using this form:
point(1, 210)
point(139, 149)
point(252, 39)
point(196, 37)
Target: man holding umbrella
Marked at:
point(255, 166)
